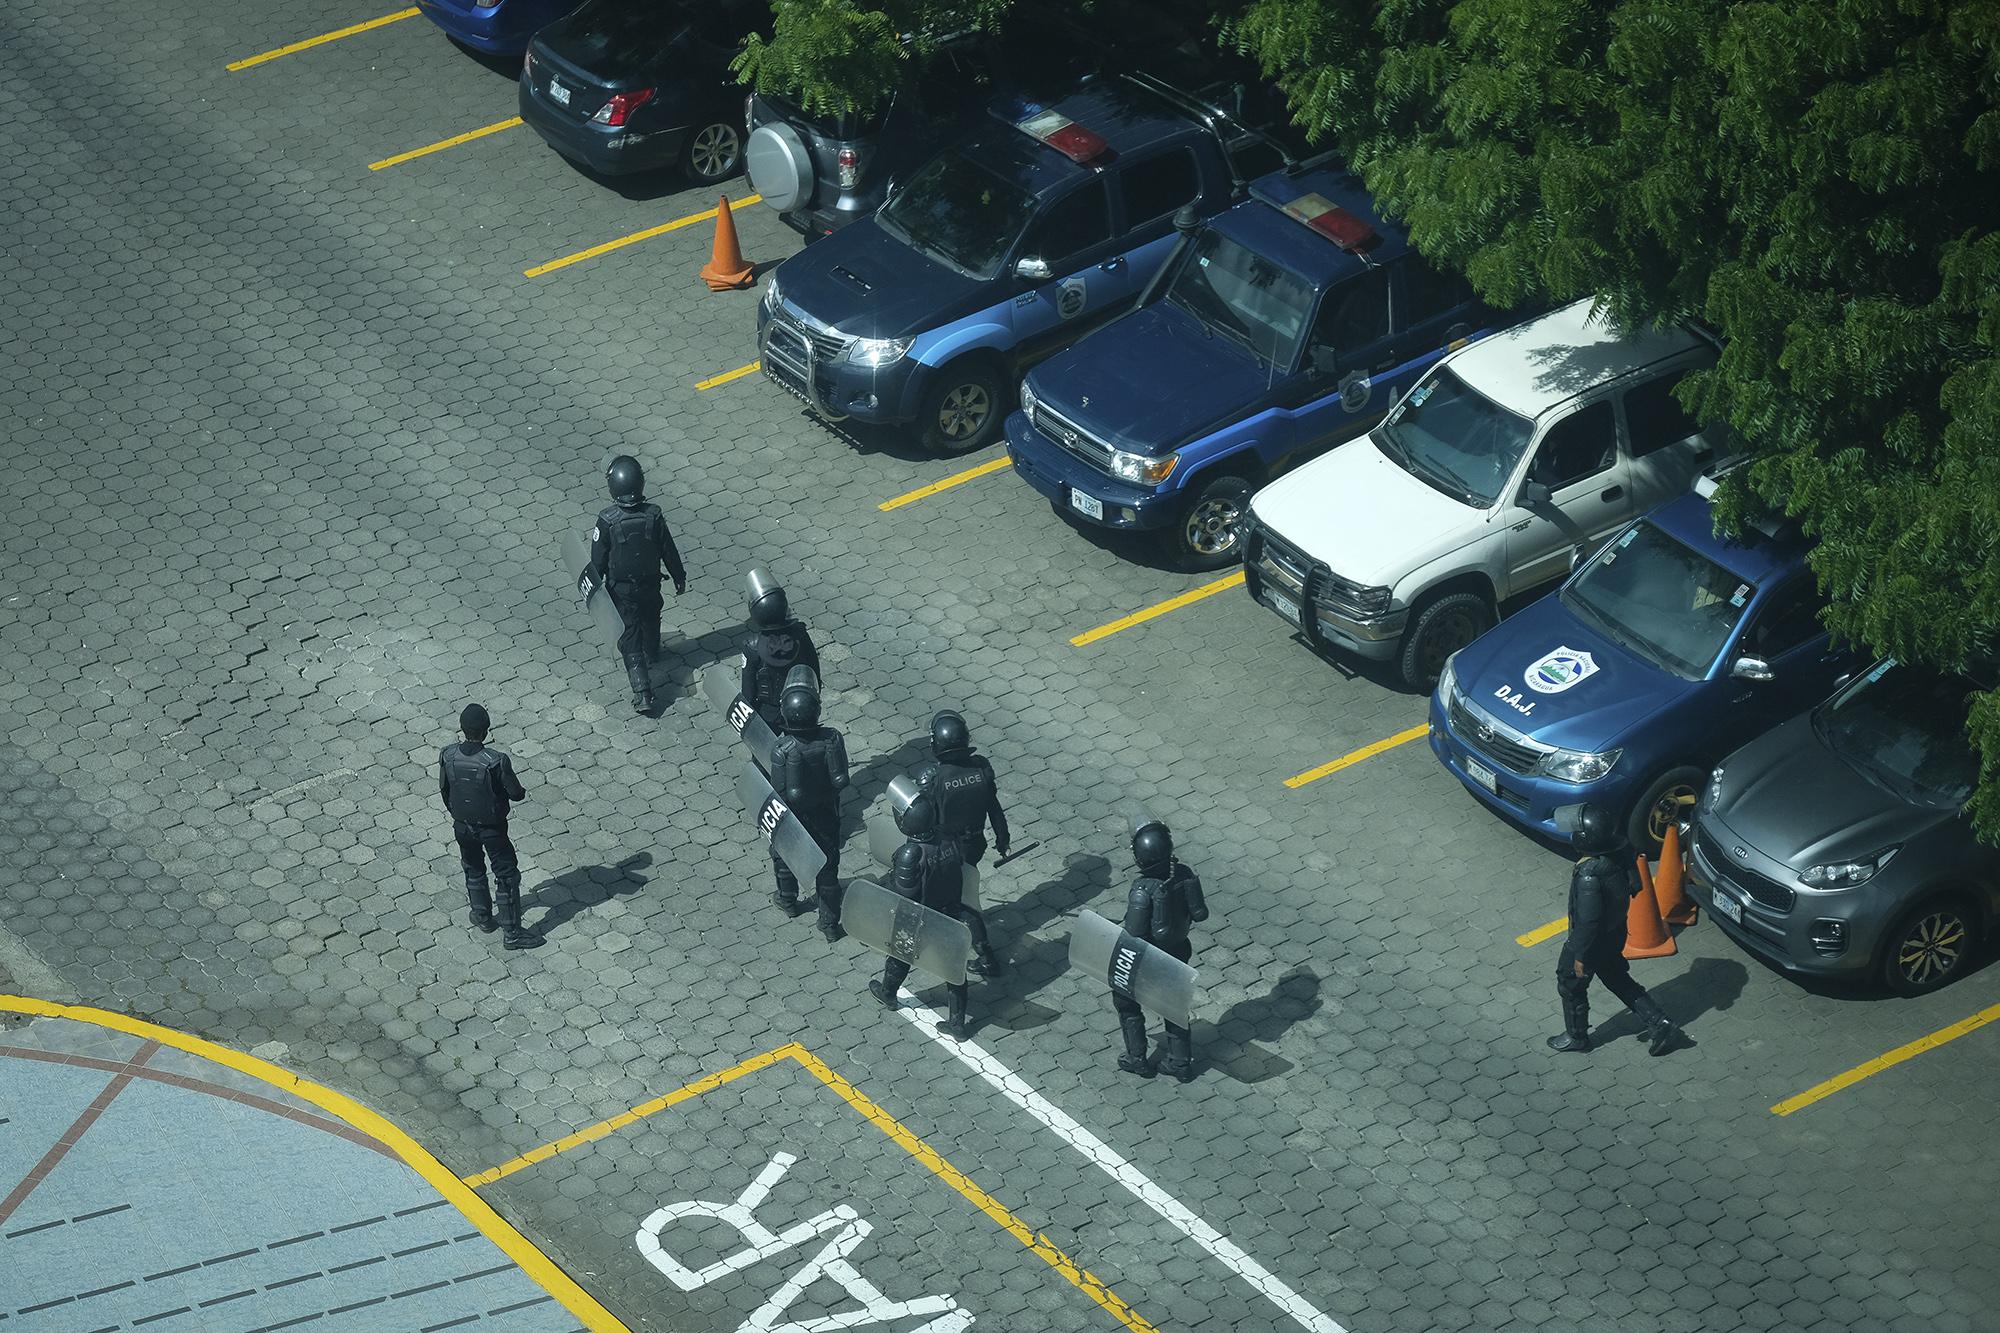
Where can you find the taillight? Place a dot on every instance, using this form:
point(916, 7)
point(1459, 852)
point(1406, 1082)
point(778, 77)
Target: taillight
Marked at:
point(850, 168)
point(528, 63)
point(621, 106)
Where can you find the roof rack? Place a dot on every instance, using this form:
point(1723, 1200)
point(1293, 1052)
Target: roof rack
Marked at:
point(1210, 117)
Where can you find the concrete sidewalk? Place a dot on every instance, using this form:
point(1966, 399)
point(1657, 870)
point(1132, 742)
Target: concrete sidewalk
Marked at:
point(150, 1181)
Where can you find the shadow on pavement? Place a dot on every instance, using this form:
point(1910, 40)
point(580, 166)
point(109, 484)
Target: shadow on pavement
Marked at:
point(1229, 1044)
point(867, 781)
point(1709, 985)
point(584, 888)
point(682, 659)
point(1005, 1001)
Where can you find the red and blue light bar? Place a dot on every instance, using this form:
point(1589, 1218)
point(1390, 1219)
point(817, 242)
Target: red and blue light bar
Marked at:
point(1349, 231)
point(1064, 135)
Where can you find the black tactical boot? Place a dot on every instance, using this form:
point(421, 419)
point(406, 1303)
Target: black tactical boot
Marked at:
point(883, 995)
point(484, 923)
point(984, 964)
point(642, 684)
point(1575, 1036)
point(957, 1026)
point(791, 907)
point(1134, 1061)
point(1661, 1031)
point(1176, 1057)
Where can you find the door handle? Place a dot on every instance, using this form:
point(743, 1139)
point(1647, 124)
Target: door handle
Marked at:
point(1113, 264)
point(1611, 493)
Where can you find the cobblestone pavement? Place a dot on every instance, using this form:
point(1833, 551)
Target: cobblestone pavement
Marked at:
point(289, 448)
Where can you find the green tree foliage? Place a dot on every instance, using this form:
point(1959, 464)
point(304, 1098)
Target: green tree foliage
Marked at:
point(836, 57)
point(1819, 180)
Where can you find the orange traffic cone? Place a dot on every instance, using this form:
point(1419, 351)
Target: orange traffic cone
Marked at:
point(725, 270)
point(1645, 932)
point(1676, 908)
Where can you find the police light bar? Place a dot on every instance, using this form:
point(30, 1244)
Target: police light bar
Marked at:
point(1344, 229)
point(1064, 135)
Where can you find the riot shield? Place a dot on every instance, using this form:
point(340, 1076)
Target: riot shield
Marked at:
point(576, 560)
point(787, 836)
point(905, 929)
point(720, 686)
point(884, 838)
point(1161, 984)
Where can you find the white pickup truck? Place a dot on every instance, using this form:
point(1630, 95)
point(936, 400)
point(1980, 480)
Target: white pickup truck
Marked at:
point(1503, 460)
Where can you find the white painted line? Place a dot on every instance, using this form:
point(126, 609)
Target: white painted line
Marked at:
point(1177, 1214)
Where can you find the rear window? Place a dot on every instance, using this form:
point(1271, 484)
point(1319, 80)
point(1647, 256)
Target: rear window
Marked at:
point(610, 36)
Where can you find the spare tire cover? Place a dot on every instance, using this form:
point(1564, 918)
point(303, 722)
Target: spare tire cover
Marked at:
point(780, 167)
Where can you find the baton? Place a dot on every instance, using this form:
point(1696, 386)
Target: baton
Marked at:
point(1016, 854)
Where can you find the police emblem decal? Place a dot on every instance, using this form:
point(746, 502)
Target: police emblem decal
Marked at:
point(1557, 671)
point(1069, 301)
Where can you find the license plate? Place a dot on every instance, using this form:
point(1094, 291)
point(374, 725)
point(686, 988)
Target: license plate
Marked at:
point(1728, 906)
point(1482, 775)
point(559, 93)
point(1283, 605)
point(1086, 504)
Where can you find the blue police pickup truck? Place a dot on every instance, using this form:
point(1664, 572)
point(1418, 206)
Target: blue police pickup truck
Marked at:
point(1033, 229)
point(1284, 326)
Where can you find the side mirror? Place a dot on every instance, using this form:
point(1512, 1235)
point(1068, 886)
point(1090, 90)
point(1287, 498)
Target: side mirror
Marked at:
point(1751, 668)
point(1033, 268)
point(1577, 555)
point(1840, 681)
point(889, 190)
point(1534, 495)
point(1186, 220)
point(1323, 361)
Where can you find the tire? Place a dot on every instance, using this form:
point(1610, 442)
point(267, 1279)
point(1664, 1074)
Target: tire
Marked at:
point(1930, 946)
point(1669, 796)
point(1208, 531)
point(714, 152)
point(1438, 628)
point(963, 408)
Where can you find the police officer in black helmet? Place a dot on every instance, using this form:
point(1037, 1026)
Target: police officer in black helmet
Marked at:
point(928, 869)
point(1601, 889)
point(628, 548)
point(809, 770)
point(1163, 903)
point(477, 784)
point(777, 643)
point(962, 784)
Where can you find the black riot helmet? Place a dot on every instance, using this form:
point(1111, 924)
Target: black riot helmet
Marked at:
point(1596, 832)
point(798, 703)
point(768, 608)
point(1152, 847)
point(918, 819)
point(948, 733)
point(626, 480)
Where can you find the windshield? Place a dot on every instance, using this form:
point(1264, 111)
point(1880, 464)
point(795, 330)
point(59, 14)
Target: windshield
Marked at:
point(1903, 728)
point(1461, 443)
point(959, 213)
point(1244, 298)
point(1660, 599)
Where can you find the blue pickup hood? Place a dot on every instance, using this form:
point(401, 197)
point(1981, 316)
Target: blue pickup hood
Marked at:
point(1153, 380)
point(866, 283)
point(1624, 694)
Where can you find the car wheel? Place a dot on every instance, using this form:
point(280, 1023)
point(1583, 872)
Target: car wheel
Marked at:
point(1209, 532)
point(714, 152)
point(1440, 628)
point(1929, 946)
point(1668, 800)
point(963, 408)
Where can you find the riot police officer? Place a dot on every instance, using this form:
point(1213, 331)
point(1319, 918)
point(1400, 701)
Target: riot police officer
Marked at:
point(961, 782)
point(476, 785)
point(1164, 901)
point(928, 869)
point(1601, 889)
point(777, 643)
point(809, 770)
point(628, 548)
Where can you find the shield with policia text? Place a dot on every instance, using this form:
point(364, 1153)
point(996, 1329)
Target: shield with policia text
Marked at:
point(884, 837)
point(1161, 984)
point(576, 563)
point(719, 685)
point(780, 827)
point(905, 929)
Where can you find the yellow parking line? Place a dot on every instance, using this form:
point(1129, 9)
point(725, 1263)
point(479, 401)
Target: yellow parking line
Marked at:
point(1188, 598)
point(637, 236)
point(1365, 752)
point(992, 465)
point(728, 375)
point(1887, 1060)
point(321, 40)
point(1540, 933)
point(1040, 1245)
point(442, 144)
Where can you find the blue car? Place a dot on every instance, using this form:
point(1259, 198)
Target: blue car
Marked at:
point(1287, 325)
point(1039, 225)
point(1664, 651)
point(501, 28)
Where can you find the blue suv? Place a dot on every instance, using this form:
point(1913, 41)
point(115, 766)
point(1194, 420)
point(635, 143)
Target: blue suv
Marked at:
point(1036, 227)
point(1285, 326)
point(1662, 652)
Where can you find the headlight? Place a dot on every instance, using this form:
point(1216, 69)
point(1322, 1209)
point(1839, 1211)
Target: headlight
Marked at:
point(877, 351)
point(1847, 874)
point(1578, 765)
point(1447, 686)
point(1143, 468)
point(771, 297)
point(1028, 400)
point(1712, 790)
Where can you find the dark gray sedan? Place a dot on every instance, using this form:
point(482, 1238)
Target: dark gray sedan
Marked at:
point(1837, 843)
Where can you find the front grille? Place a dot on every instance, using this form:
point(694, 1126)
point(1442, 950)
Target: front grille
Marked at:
point(1282, 563)
point(1514, 753)
point(1760, 889)
point(1307, 579)
point(1072, 438)
point(786, 357)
